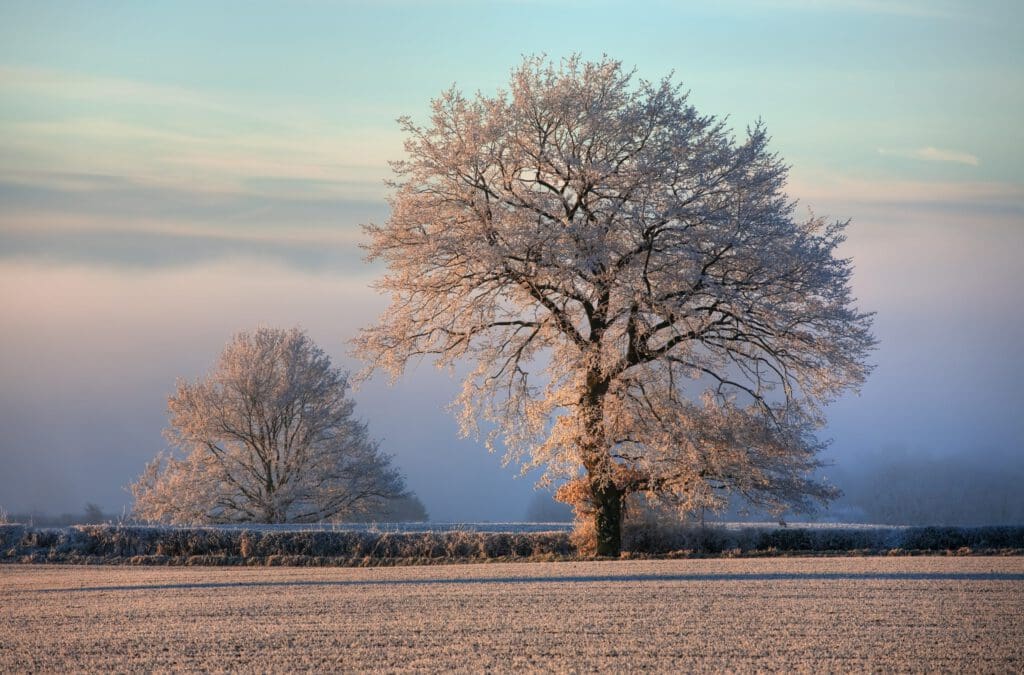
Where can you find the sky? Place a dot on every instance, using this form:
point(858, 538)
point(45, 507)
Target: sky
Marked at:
point(173, 172)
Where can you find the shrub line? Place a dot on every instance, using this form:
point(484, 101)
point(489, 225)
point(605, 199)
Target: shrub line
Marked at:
point(149, 545)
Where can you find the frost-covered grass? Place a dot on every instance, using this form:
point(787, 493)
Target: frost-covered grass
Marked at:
point(508, 527)
point(932, 614)
point(269, 545)
point(346, 545)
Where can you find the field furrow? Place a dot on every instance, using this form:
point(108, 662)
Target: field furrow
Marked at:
point(936, 613)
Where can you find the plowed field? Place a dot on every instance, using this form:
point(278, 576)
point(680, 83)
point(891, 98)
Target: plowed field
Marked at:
point(928, 614)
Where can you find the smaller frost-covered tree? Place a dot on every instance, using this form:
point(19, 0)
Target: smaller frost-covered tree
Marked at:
point(268, 436)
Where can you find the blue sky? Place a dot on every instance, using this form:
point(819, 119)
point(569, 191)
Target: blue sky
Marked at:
point(173, 172)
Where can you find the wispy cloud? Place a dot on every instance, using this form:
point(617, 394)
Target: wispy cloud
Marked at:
point(936, 9)
point(931, 154)
point(109, 220)
point(913, 8)
point(855, 194)
point(176, 137)
point(69, 85)
point(337, 164)
point(118, 92)
point(822, 184)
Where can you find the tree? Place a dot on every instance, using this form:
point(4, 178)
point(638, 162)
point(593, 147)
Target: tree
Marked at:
point(93, 514)
point(644, 311)
point(268, 436)
point(408, 509)
point(544, 508)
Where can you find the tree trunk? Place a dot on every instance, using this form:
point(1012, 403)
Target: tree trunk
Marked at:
point(608, 519)
point(607, 497)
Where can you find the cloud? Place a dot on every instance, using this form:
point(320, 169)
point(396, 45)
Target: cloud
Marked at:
point(69, 85)
point(111, 221)
point(84, 124)
point(55, 85)
point(161, 250)
point(48, 200)
point(930, 154)
point(938, 9)
point(856, 196)
point(334, 161)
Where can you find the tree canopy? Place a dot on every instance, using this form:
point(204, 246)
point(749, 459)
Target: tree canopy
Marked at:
point(644, 310)
point(268, 436)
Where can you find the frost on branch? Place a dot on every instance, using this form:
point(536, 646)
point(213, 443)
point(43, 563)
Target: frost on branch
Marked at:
point(268, 436)
point(643, 308)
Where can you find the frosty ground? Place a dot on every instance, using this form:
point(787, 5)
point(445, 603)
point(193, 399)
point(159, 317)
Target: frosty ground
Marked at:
point(933, 613)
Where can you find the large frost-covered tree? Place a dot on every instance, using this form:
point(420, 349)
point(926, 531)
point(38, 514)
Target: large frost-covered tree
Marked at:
point(645, 311)
point(268, 436)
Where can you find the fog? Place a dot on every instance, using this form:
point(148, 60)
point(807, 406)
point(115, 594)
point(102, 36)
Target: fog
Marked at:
point(100, 321)
point(97, 350)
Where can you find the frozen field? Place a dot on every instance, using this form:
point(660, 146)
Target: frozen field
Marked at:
point(925, 614)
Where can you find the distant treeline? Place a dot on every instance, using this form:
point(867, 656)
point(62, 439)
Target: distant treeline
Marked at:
point(891, 487)
point(90, 515)
point(125, 544)
point(407, 509)
point(905, 488)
